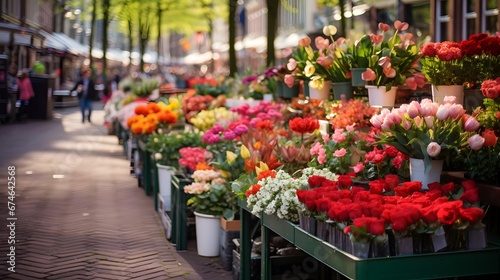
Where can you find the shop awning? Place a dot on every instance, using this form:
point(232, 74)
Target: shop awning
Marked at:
point(73, 46)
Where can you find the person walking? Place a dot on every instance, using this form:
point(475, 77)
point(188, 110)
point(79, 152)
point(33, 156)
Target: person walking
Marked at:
point(25, 94)
point(12, 90)
point(85, 88)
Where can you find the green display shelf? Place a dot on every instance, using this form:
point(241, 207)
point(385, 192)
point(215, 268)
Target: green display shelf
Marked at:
point(178, 214)
point(420, 266)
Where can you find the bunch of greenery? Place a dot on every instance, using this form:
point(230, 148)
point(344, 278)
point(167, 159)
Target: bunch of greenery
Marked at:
point(165, 146)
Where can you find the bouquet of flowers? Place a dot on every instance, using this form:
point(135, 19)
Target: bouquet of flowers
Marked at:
point(166, 146)
point(483, 165)
point(275, 192)
point(191, 157)
point(329, 63)
point(395, 59)
point(211, 194)
point(342, 152)
point(428, 130)
point(354, 111)
point(481, 58)
point(443, 64)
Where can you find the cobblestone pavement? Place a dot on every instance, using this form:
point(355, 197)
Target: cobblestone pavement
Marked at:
point(80, 215)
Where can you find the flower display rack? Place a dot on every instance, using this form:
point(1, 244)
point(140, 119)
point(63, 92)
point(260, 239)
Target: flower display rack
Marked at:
point(147, 171)
point(419, 266)
point(179, 211)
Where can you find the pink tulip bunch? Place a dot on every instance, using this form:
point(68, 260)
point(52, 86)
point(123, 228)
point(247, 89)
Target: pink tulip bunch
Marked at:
point(428, 130)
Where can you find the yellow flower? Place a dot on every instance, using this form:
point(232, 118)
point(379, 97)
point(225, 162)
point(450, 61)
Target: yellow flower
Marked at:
point(316, 82)
point(329, 30)
point(230, 156)
point(310, 52)
point(225, 174)
point(244, 152)
point(309, 69)
point(262, 166)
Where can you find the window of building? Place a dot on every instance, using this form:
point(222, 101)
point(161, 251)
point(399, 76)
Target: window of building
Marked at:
point(470, 15)
point(418, 16)
point(489, 19)
point(442, 20)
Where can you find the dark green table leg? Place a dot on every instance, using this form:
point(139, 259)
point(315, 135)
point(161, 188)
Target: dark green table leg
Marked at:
point(156, 188)
point(265, 262)
point(146, 171)
point(174, 208)
point(181, 218)
point(245, 245)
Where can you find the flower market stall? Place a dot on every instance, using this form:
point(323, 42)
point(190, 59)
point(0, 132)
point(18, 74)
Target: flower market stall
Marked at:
point(336, 186)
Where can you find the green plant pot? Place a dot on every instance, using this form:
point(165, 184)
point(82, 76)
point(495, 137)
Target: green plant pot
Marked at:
point(280, 89)
point(356, 80)
point(291, 92)
point(342, 88)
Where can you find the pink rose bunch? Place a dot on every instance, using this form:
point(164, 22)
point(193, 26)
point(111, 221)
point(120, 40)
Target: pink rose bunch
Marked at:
point(190, 156)
point(491, 88)
point(341, 152)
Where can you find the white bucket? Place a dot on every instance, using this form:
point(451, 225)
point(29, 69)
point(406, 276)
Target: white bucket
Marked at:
point(207, 234)
point(165, 173)
point(417, 172)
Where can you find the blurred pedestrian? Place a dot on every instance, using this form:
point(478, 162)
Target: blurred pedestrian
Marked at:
point(25, 94)
point(85, 88)
point(12, 90)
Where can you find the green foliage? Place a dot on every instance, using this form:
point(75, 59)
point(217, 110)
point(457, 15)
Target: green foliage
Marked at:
point(218, 201)
point(169, 144)
point(145, 87)
point(243, 183)
point(483, 165)
point(487, 117)
point(206, 89)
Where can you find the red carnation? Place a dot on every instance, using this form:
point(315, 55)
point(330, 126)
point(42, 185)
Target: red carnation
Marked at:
point(448, 188)
point(429, 50)
point(303, 125)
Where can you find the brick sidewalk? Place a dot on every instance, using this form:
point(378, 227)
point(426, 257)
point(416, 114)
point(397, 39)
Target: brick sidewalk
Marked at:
point(94, 223)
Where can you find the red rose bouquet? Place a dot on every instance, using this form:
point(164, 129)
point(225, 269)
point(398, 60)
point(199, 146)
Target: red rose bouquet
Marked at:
point(443, 64)
point(481, 58)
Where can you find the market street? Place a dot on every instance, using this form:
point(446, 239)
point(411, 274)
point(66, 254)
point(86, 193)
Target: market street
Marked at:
point(80, 214)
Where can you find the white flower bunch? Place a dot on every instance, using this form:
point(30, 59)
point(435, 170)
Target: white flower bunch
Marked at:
point(277, 196)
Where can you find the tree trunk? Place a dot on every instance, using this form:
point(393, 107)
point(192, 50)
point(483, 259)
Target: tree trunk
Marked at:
point(158, 42)
point(130, 44)
point(105, 24)
point(233, 69)
point(91, 38)
point(272, 26)
point(343, 30)
point(105, 20)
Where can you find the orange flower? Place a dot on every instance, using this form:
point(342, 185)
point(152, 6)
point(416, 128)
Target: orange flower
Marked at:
point(257, 145)
point(203, 165)
point(153, 107)
point(264, 125)
point(137, 128)
point(134, 119)
point(266, 173)
point(149, 127)
point(167, 116)
point(141, 110)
